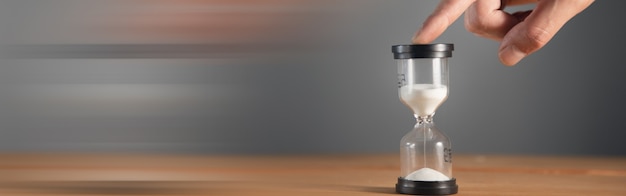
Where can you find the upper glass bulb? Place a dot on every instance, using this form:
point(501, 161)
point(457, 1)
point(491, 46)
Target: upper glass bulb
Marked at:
point(423, 84)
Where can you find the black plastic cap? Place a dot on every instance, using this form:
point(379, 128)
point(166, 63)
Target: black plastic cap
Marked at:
point(422, 51)
point(410, 187)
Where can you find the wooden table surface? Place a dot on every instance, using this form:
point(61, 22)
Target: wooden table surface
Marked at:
point(141, 174)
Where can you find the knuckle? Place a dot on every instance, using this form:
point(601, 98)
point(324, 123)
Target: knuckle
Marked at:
point(480, 23)
point(475, 25)
point(537, 38)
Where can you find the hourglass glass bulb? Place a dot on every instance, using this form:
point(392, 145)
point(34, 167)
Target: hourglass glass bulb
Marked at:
point(423, 99)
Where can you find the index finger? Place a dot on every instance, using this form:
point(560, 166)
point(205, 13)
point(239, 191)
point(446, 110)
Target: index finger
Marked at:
point(444, 15)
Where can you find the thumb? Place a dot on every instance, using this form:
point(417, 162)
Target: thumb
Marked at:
point(538, 28)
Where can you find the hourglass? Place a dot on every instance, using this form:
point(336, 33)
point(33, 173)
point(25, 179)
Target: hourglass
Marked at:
point(425, 152)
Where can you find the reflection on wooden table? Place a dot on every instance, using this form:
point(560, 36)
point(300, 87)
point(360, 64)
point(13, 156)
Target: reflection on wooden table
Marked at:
point(143, 174)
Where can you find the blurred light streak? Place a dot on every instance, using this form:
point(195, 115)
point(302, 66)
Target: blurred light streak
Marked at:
point(155, 75)
point(128, 100)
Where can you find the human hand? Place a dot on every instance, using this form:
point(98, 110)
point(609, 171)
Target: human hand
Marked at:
point(520, 33)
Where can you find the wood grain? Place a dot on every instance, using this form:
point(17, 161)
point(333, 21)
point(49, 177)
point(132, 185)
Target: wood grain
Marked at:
point(142, 174)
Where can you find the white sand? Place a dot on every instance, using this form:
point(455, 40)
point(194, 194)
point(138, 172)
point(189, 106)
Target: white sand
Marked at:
point(423, 98)
point(427, 174)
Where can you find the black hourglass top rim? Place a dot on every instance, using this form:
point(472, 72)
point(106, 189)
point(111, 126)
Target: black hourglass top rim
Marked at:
point(422, 51)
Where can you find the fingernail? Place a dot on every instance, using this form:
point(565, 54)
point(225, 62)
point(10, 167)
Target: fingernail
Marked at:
point(417, 39)
point(511, 55)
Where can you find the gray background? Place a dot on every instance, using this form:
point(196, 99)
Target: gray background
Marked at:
point(338, 95)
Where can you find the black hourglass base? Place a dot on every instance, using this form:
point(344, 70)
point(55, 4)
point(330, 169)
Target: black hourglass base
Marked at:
point(410, 187)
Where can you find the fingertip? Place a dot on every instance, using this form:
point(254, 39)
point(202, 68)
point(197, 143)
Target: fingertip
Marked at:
point(511, 55)
point(420, 38)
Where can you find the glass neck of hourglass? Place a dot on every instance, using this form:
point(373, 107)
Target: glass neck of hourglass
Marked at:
point(424, 119)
